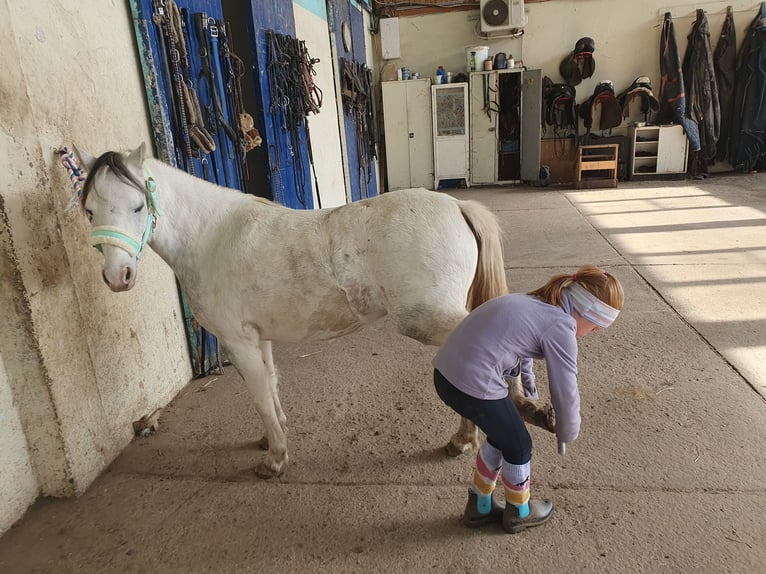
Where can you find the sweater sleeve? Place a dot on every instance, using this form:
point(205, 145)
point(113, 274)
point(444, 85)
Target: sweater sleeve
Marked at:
point(560, 352)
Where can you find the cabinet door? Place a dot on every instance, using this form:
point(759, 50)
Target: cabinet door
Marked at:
point(671, 150)
point(420, 138)
point(531, 123)
point(396, 134)
point(450, 125)
point(483, 124)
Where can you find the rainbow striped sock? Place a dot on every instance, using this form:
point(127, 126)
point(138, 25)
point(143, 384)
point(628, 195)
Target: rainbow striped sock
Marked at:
point(488, 462)
point(516, 484)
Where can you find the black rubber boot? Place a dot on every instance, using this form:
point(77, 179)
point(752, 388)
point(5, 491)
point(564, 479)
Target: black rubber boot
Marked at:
point(472, 518)
point(540, 511)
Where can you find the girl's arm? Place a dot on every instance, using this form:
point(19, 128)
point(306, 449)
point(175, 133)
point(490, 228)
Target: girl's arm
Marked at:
point(559, 347)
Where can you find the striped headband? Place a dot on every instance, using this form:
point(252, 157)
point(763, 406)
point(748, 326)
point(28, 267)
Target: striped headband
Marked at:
point(591, 307)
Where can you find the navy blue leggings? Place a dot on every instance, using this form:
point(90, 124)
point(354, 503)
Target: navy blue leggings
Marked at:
point(499, 419)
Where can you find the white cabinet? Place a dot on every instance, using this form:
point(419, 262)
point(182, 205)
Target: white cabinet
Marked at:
point(657, 150)
point(505, 112)
point(409, 139)
point(449, 103)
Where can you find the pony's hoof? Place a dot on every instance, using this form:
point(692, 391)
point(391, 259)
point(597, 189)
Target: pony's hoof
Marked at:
point(547, 418)
point(266, 472)
point(541, 416)
point(452, 450)
point(263, 443)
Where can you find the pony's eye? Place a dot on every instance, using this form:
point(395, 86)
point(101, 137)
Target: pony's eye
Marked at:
point(139, 209)
point(89, 214)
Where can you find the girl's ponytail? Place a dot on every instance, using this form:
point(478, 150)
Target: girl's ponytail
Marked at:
point(599, 282)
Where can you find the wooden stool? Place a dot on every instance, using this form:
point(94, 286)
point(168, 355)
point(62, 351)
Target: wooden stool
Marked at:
point(597, 157)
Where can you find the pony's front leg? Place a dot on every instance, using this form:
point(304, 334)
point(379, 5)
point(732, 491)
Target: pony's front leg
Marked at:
point(251, 362)
point(268, 358)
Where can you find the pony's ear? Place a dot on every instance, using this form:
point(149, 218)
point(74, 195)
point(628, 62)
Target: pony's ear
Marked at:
point(86, 159)
point(137, 155)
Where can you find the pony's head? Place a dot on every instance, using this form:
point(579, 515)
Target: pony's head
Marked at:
point(119, 200)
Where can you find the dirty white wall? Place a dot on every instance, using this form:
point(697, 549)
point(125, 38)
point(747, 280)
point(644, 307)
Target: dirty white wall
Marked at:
point(18, 485)
point(78, 363)
point(311, 26)
point(627, 36)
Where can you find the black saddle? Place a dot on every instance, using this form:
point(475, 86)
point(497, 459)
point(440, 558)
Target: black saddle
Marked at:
point(560, 106)
point(579, 64)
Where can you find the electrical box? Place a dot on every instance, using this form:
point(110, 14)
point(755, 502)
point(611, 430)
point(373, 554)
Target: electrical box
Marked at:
point(389, 38)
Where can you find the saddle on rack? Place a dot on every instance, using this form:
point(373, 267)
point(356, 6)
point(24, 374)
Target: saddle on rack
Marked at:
point(560, 107)
point(641, 90)
point(603, 100)
point(579, 64)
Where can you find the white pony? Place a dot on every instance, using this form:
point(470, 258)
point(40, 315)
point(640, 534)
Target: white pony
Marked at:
point(424, 258)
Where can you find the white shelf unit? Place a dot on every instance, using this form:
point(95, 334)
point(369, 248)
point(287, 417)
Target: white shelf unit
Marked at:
point(408, 133)
point(657, 150)
point(449, 103)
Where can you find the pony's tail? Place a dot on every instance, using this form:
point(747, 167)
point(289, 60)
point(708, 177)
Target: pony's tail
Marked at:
point(489, 280)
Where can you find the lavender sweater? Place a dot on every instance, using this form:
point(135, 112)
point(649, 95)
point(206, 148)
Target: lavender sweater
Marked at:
point(504, 335)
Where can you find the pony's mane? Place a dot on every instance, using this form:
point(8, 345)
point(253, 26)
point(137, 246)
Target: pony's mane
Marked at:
point(115, 162)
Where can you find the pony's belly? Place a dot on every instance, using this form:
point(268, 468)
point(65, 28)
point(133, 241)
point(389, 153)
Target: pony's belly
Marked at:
point(304, 319)
point(320, 325)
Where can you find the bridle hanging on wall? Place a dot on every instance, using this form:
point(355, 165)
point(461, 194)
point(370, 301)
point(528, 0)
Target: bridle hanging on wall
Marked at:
point(290, 71)
point(356, 93)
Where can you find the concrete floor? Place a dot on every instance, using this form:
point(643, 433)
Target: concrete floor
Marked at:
point(667, 475)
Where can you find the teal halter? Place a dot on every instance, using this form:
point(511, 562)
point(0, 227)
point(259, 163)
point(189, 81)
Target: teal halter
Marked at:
point(115, 236)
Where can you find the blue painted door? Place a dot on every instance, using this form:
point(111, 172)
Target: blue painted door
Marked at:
point(288, 172)
point(347, 22)
point(203, 33)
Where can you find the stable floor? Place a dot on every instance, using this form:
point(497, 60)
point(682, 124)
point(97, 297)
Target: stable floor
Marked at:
point(668, 475)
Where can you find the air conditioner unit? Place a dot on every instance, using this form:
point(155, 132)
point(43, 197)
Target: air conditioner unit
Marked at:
point(501, 15)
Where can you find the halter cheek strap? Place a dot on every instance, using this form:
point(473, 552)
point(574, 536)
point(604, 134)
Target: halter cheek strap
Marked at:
point(110, 235)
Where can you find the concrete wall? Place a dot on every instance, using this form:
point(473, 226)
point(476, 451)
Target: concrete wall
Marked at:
point(78, 363)
point(18, 484)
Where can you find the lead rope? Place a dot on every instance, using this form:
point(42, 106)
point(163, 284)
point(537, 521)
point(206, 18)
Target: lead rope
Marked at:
point(76, 175)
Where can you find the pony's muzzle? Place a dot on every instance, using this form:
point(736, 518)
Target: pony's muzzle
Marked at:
point(120, 269)
point(120, 279)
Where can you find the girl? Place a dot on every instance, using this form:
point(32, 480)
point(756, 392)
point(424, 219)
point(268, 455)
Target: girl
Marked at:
point(499, 339)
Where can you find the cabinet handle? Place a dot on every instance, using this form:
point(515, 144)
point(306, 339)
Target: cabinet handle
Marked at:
point(490, 129)
point(412, 135)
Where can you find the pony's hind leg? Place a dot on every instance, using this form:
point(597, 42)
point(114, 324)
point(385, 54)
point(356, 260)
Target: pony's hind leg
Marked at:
point(252, 362)
point(434, 331)
point(268, 359)
point(465, 438)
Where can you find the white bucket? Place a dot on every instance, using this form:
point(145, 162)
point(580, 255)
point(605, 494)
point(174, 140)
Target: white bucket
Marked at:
point(475, 56)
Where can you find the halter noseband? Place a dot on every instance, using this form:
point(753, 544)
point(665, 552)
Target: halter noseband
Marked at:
point(127, 242)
